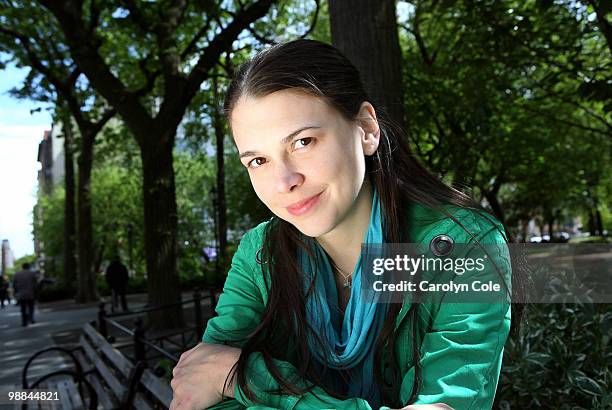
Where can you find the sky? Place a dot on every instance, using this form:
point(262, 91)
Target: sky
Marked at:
point(20, 134)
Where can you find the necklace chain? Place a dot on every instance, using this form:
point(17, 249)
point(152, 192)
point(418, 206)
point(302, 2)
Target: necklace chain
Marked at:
point(345, 276)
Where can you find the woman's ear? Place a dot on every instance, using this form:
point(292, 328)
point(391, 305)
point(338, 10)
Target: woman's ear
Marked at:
point(371, 131)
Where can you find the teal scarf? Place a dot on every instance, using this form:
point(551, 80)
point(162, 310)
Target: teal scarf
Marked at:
point(352, 342)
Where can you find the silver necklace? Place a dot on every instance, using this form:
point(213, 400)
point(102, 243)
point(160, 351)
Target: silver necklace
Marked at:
point(345, 276)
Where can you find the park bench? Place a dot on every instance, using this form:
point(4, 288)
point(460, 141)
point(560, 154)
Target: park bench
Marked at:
point(102, 378)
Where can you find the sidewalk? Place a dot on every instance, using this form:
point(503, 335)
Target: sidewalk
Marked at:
point(56, 323)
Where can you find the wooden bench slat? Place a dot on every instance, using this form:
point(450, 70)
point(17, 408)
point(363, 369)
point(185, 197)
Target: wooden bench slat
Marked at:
point(16, 387)
point(64, 395)
point(111, 380)
point(160, 390)
point(46, 405)
point(140, 403)
point(77, 402)
point(113, 355)
point(105, 401)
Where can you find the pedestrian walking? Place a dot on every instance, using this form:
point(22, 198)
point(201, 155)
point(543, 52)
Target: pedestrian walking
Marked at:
point(117, 279)
point(25, 285)
point(4, 285)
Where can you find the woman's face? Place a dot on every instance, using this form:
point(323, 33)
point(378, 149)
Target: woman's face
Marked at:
point(305, 161)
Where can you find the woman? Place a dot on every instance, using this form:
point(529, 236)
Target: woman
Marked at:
point(293, 329)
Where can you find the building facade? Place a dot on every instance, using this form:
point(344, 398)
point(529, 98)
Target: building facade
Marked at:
point(8, 259)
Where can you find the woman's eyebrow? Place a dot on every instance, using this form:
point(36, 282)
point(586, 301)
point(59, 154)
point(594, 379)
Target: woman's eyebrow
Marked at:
point(284, 141)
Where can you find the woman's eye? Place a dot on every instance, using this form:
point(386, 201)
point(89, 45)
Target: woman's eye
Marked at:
point(302, 142)
point(256, 162)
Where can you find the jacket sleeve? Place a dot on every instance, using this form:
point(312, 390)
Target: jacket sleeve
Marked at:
point(241, 305)
point(239, 311)
point(461, 355)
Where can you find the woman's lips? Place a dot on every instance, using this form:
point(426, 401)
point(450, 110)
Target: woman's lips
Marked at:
point(304, 206)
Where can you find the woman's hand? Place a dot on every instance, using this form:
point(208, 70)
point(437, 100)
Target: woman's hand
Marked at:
point(199, 375)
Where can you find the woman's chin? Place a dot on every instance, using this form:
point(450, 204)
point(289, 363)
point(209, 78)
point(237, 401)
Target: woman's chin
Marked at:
point(311, 227)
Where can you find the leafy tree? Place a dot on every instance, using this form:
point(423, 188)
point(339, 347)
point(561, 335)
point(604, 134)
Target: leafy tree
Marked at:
point(487, 99)
point(127, 49)
point(33, 39)
point(48, 221)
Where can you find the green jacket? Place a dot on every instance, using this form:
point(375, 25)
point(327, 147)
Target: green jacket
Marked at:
point(461, 350)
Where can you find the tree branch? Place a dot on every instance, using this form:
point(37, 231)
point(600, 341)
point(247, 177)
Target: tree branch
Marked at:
point(260, 38)
point(106, 116)
point(228, 66)
point(165, 33)
point(73, 77)
point(150, 77)
point(586, 110)
point(604, 26)
point(69, 14)
point(36, 63)
point(420, 43)
point(315, 18)
point(94, 14)
point(222, 42)
point(139, 18)
point(194, 41)
point(571, 124)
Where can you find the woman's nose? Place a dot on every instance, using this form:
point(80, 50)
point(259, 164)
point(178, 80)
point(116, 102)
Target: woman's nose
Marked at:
point(286, 178)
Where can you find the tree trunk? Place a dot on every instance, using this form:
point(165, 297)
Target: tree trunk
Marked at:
point(70, 275)
point(98, 257)
point(598, 222)
point(551, 223)
point(161, 220)
point(604, 26)
point(525, 231)
point(495, 205)
point(366, 32)
point(497, 209)
point(87, 287)
point(592, 224)
point(221, 206)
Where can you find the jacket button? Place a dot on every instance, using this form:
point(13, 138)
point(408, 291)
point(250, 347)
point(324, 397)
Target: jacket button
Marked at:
point(441, 245)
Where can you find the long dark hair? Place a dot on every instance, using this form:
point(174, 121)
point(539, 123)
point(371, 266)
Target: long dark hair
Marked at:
point(321, 70)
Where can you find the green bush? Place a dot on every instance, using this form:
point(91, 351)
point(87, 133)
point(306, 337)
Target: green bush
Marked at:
point(57, 291)
point(562, 360)
point(136, 284)
point(591, 239)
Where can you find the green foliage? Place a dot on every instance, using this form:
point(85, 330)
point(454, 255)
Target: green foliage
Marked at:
point(561, 361)
point(116, 211)
point(116, 192)
point(194, 177)
point(48, 226)
point(591, 239)
point(57, 291)
point(165, 367)
point(20, 261)
point(136, 284)
point(507, 98)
